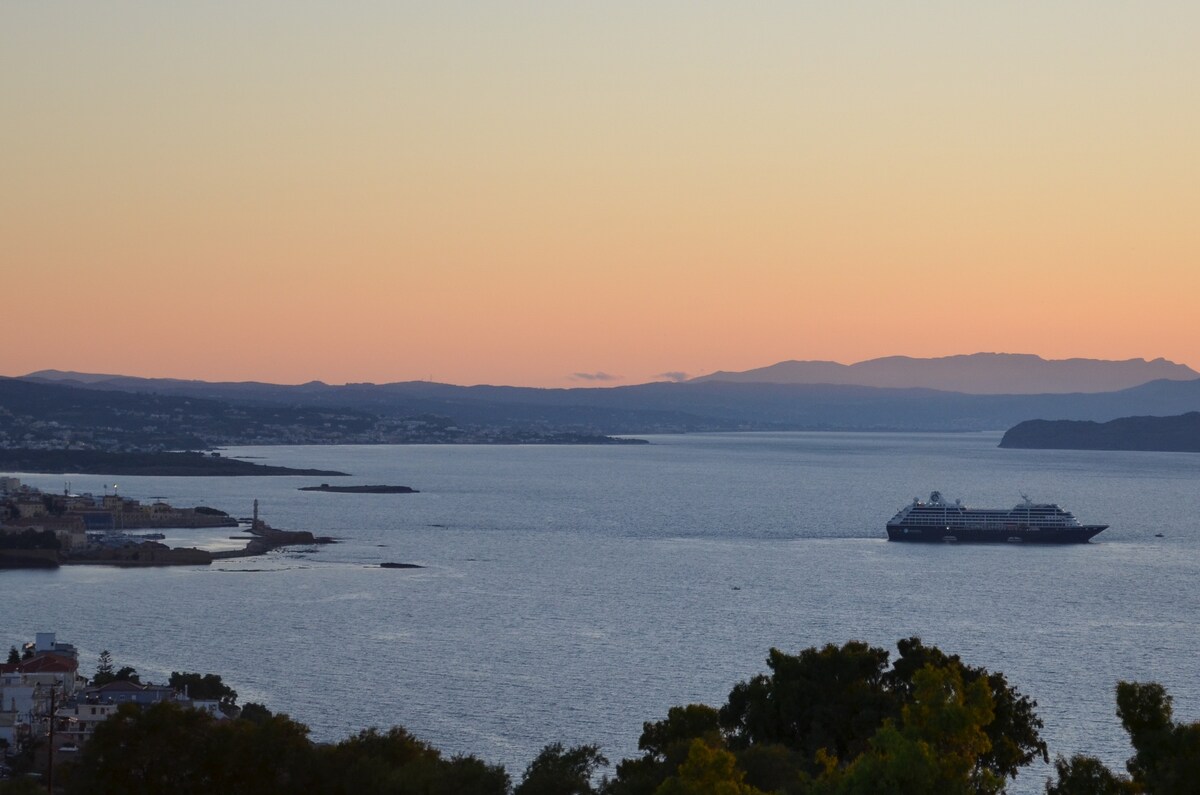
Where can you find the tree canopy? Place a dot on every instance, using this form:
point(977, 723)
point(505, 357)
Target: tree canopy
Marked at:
point(834, 720)
point(562, 771)
point(205, 687)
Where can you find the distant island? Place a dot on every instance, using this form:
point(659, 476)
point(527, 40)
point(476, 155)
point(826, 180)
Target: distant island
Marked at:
point(1178, 434)
point(361, 489)
point(99, 462)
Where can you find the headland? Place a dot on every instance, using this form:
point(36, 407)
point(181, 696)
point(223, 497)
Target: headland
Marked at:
point(43, 530)
point(158, 464)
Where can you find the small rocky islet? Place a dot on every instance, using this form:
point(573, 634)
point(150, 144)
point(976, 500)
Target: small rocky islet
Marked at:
point(377, 489)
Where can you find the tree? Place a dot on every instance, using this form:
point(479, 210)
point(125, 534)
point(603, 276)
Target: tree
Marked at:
point(830, 698)
point(1167, 758)
point(14, 656)
point(396, 763)
point(935, 748)
point(1013, 732)
point(255, 713)
point(708, 771)
point(205, 687)
point(140, 752)
point(665, 744)
point(167, 748)
point(682, 725)
point(127, 674)
point(562, 771)
point(834, 704)
point(1086, 775)
point(104, 669)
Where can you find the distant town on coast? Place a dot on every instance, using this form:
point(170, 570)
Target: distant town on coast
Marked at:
point(72, 422)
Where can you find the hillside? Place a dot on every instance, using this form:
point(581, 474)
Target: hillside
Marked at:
point(1165, 434)
point(665, 407)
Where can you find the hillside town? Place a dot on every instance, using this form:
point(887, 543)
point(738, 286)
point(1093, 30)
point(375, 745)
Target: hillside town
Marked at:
point(49, 710)
point(51, 417)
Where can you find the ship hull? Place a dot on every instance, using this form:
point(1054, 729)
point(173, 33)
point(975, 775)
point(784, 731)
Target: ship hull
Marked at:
point(994, 535)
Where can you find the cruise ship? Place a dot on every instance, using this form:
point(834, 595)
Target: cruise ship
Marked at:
point(1027, 522)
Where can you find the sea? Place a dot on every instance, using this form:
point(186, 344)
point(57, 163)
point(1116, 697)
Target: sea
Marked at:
point(571, 593)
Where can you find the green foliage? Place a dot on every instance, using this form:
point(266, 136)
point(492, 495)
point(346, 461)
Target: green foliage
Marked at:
point(936, 748)
point(255, 713)
point(708, 771)
point(396, 763)
point(666, 744)
point(562, 771)
point(144, 752)
point(834, 699)
point(830, 698)
point(14, 656)
point(839, 719)
point(166, 748)
point(127, 674)
point(682, 725)
point(1086, 775)
point(949, 717)
point(1167, 758)
point(105, 672)
point(775, 768)
point(835, 720)
point(1014, 729)
point(205, 687)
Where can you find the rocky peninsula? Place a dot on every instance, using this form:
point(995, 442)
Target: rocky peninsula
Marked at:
point(46, 530)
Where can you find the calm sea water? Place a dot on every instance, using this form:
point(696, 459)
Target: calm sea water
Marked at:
point(571, 593)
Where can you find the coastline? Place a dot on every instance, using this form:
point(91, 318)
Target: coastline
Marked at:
point(264, 539)
point(166, 464)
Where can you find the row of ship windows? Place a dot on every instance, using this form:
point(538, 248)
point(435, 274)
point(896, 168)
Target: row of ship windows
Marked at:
point(972, 514)
point(935, 521)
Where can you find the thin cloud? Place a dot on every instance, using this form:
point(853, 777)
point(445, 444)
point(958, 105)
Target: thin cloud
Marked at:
point(674, 375)
point(597, 376)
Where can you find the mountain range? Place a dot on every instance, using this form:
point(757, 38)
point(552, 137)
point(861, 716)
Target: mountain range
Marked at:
point(975, 374)
point(713, 404)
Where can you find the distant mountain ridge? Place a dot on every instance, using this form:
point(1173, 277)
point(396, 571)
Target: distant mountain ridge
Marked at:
point(973, 374)
point(680, 407)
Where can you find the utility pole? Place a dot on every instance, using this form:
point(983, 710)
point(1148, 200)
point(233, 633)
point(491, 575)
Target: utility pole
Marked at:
point(50, 747)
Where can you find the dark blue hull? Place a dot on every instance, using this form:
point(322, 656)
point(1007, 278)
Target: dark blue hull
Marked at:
point(993, 535)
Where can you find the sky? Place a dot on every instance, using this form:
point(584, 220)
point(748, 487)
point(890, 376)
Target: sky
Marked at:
point(583, 193)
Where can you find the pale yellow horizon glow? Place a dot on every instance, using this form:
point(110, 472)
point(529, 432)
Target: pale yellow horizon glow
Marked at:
point(518, 192)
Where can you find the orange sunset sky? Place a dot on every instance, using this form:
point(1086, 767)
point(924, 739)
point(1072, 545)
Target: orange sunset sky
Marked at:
point(515, 192)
